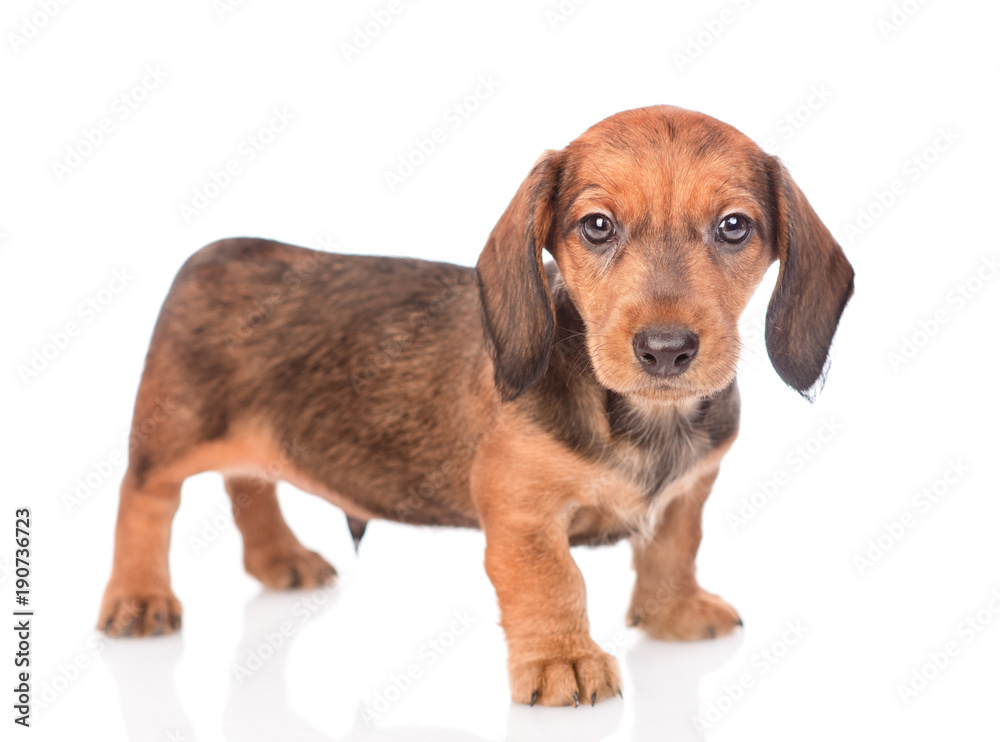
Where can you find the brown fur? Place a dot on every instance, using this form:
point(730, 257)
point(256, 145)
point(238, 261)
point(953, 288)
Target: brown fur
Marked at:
point(507, 398)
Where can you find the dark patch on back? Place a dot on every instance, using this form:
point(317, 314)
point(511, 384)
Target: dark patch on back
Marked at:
point(357, 365)
point(214, 422)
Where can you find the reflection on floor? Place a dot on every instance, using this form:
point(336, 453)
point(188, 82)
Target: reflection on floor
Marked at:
point(663, 680)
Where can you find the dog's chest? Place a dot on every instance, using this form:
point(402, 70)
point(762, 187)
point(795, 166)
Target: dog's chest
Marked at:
point(652, 449)
point(650, 458)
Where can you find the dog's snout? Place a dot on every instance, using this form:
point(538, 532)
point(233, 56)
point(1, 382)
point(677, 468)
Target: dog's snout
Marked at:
point(665, 351)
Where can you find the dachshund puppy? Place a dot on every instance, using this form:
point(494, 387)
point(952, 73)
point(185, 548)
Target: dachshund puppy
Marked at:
point(576, 402)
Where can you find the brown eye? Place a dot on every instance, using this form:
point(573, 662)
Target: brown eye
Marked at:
point(598, 229)
point(733, 229)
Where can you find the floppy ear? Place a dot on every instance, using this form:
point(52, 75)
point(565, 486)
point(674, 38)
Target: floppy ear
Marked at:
point(518, 317)
point(814, 283)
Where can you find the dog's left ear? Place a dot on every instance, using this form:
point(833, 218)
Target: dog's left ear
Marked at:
point(815, 281)
point(518, 316)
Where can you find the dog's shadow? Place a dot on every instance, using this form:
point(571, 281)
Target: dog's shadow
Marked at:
point(143, 671)
point(257, 705)
point(662, 681)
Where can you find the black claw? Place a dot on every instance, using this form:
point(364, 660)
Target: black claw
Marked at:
point(620, 694)
point(576, 698)
point(534, 697)
point(739, 621)
point(711, 631)
point(136, 618)
point(357, 527)
point(593, 698)
point(159, 628)
point(296, 578)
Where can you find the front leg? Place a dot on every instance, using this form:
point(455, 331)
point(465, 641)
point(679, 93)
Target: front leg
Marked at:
point(667, 602)
point(552, 659)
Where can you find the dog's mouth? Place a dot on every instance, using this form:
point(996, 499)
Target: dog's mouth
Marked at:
point(666, 391)
point(683, 387)
point(648, 389)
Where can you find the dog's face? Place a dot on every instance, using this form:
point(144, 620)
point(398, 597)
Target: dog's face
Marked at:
point(662, 234)
point(662, 222)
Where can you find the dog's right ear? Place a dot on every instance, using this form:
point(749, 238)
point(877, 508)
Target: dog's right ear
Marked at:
point(518, 316)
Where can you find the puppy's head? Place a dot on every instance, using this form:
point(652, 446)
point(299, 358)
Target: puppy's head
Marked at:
point(662, 222)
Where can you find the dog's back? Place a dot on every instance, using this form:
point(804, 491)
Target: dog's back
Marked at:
point(250, 325)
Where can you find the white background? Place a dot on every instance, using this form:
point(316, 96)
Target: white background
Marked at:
point(887, 88)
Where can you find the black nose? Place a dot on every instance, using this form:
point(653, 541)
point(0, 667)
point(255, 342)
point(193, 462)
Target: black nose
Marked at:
point(665, 351)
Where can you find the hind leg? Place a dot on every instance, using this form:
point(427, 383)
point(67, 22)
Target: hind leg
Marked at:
point(271, 552)
point(138, 600)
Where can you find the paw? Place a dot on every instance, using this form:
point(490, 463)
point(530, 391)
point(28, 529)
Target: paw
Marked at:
point(699, 615)
point(567, 676)
point(291, 570)
point(139, 615)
